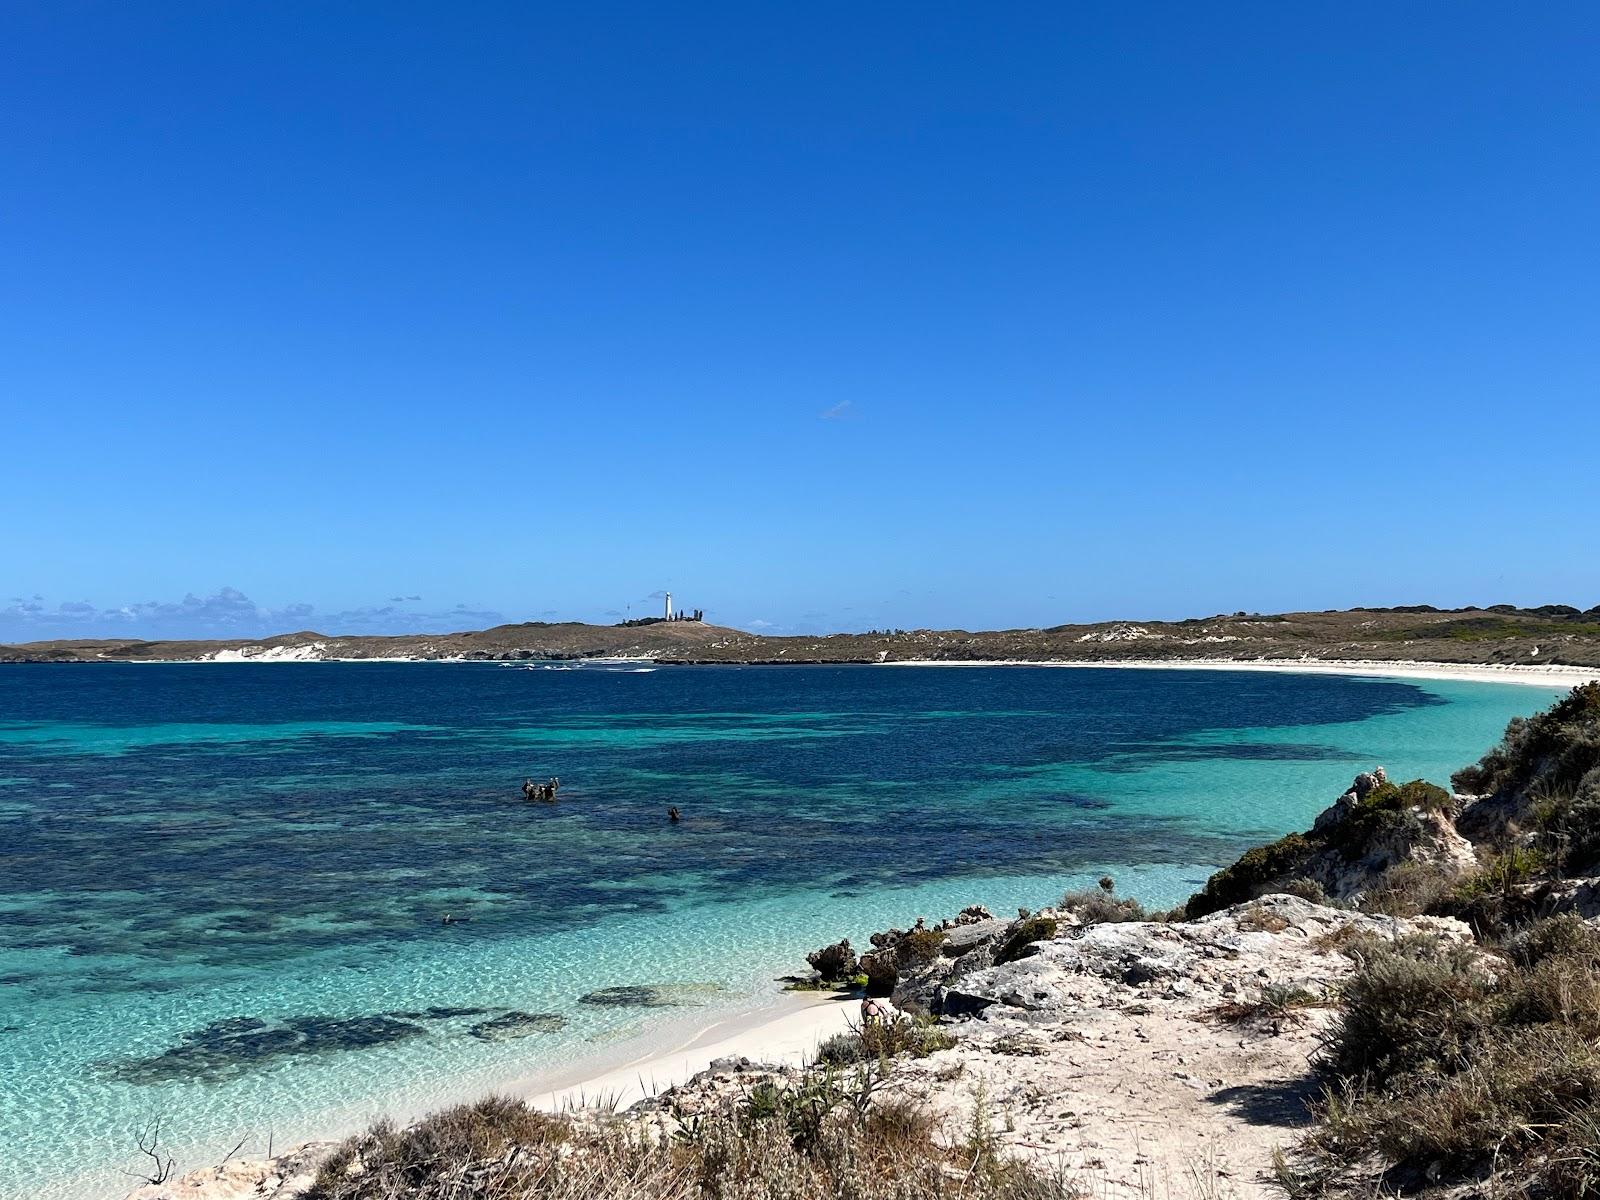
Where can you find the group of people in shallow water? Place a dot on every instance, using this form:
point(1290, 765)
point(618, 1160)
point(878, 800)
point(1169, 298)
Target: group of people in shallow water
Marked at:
point(547, 790)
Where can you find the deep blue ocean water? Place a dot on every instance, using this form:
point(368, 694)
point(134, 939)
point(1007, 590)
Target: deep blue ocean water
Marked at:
point(222, 886)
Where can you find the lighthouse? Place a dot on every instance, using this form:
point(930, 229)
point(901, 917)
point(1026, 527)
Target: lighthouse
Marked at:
point(669, 606)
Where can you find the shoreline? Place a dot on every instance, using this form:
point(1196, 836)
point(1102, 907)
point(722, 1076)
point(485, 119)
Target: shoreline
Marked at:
point(781, 1030)
point(1554, 675)
point(1527, 674)
point(785, 1031)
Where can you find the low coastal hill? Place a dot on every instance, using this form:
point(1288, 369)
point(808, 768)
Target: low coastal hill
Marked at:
point(1499, 635)
point(529, 640)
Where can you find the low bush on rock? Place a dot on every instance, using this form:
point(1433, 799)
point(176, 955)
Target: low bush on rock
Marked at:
point(896, 950)
point(1023, 935)
point(1277, 1002)
point(1409, 889)
point(1386, 811)
point(1375, 822)
point(1101, 907)
point(1245, 879)
point(920, 946)
point(1552, 751)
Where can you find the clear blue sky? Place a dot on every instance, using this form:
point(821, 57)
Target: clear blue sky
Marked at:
point(823, 316)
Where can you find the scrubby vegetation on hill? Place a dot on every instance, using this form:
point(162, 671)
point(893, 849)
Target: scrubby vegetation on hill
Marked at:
point(1541, 785)
point(1373, 828)
point(1499, 634)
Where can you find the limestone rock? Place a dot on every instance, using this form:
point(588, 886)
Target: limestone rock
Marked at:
point(1271, 938)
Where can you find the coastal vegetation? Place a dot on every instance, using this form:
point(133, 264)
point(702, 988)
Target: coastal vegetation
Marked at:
point(1456, 1060)
point(1476, 1064)
point(834, 1137)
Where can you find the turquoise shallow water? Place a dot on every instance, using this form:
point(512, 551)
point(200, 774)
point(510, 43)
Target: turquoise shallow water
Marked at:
point(223, 885)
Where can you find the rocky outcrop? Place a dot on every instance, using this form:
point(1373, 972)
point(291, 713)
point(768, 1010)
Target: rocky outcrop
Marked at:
point(1144, 1058)
point(1352, 846)
point(834, 963)
point(963, 949)
point(1274, 939)
point(1122, 1052)
point(911, 966)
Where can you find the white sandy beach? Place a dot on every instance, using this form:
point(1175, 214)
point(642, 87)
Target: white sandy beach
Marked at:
point(1553, 675)
point(789, 1033)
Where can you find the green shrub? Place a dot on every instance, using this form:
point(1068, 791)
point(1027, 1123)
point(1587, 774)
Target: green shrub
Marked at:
point(1412, 1005)
point(1564, 936)
point(1419, 793)
point(1524, 1105)
point(914, 1037)
point(1409, 889)
point(1306, 889)
point(1561, 989)
point(1386, 812)
point(1249, 876)
point(1553, 749)
point(1568, 827)
point(919, 947)
point(1449, 1072)
point(1502, 874)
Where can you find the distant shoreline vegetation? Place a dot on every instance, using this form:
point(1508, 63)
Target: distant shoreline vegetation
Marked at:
point(1500, 635)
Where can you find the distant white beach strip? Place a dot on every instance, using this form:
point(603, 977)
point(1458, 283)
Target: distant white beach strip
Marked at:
point(1552, 675)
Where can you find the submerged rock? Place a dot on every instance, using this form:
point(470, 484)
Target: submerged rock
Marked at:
point(514, 1023)
point(235, 1045)
point(633, 995)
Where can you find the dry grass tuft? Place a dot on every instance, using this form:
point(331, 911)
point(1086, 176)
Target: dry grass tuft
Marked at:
point(916, 1037)
point(1451, 1069)
point(1277, 1002)
point(821, 1140)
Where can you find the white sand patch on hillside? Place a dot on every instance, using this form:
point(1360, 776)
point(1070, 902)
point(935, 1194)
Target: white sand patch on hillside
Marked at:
point(310, 652)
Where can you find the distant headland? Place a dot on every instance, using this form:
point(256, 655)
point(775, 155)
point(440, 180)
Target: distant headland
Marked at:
point(1501, 636)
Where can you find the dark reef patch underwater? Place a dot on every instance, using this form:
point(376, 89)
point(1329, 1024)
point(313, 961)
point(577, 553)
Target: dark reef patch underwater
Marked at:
point(227, 816)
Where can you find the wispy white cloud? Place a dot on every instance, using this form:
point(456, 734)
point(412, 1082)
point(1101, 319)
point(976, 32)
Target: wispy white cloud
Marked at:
point(228, 613)
point(841, 411)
